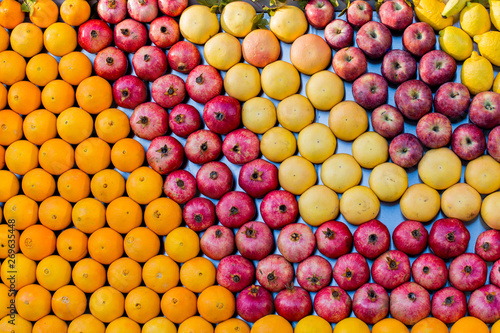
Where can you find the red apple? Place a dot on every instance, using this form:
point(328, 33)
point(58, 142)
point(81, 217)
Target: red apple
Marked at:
point(437, 67)
point(468, 142)
point(398, 66)
point(414, 99)
point(319, 13)
point(395, 14)
point(349, 63)
point(494, 143)
point(484, 110)
point(359, 13)
point(405, 150)
point(387, 121)
point(374, 39)
point(452, 99)
point(419, 38)
point(370, 90)
point(339, 34)
point(434, 130)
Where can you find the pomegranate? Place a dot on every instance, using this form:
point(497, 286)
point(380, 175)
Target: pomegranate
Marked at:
point(129, 91)
point(235, 209)
point(110, 63)
point(142, 10)
point(112, 11)
point(217, 242)
point(184, 119)
point(332, 304)
point(371, 239)
point(149, 62)
point(94, 35)
point(314, 273)
point(449, 305)
point(258, 178)
point(130, 35)
point(279, 208)
point(254, 240)
point(203, 146)
point(448, 238)
point(371, 303)
point(296, 242)
point(495, 273)
point(214, 179)
point(241, 146)
point(199, 214)
point(274, 272)
point(203, 82)
point(253, 303)
point(172, 8)
point(168, 90)
point(334, 239)
point(235, 273)
point(293, 303)
point(391, 269)
point(484, 304)
point(430, 271)
point(183, 57)
point(468, 272)
point(488, 245)
point(149, 121)
point(222, 114)
point(180, 186)
point(410, 303)
point(351, 271)
point(165, 154)
point(164, 32)
point(410, 237)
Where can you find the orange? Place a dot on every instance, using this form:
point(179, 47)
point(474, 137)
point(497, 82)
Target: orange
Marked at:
point(142, 304)
point(198, 274)
point(37, 242)
point(469, 325)
point(11, 127)
point(49, 324)
point(75, 12)
point(216, 304)
point(88, 215)
point(33, 302)
point(105, 245)
point(141, 244)
point(60, 39)
point(160, 273)
point(144, 185)
point(428, 325)
point(274, 323)
point(9, 242)
point(40, 126)
point(107, 185)
point(112, 125)
point(55, 213)
point(163, 215)
point(195, 324)
point(42, 69)
point(123, 324)
point(21, 156)
point(71, 244)
point(4, 41)
point(26, 39)
point(24, 97)
point(88, 275)
point(74, 125)
point(44, 12)
point(86, 323)
point(73, 185)
point(15, 324)
point(69, 302)
point(182, 244)
point(53, 272)
point(9, 185)
point(56, 156)
point(178, 304)
point(74, 67)
point(23, 268)
point(390, 325)
point(233, 325)
point(3, 93)
point(12, 65)
point(107, 304)
point(159, 324)
point(124, 274)
point(20, 210)
point(92, 155)
point(123, 214)
point(94, 94)
point(57, 96)
point(127, 155)
point(10, 14)
point(2, 160)
point(38, 184)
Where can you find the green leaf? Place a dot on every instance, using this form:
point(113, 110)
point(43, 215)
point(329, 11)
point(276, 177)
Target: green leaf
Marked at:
point(347, 4)
point(272, 3)
point(335, 3)
point(378, 4)
point(214, 9)
point(482, 2)
point(259, 22)
point(208, 3)
point(27, 6)
point(270, 11)
point(409, 3)
point(303, 3)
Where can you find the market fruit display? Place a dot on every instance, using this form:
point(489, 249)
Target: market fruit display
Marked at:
point(168, 166)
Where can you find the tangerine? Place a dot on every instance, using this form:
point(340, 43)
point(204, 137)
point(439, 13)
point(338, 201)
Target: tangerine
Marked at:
point(26, 39)
point(49, 324)
point(94, 94)
point(141, 244)
point(123, 214)
point(24, 97)
point(73, 185)
point(107, 304)
point(38, 184)
point(144, 185)
point(112, 125)
point(163, 215)
point(178, 304)
point(105, 245)
point(11, 127)
point(43, 13)
point(127, 155)
point(142, 304)
point(33, 302)
point(18, 271)
point(88, 215)
point(93, 155)
point(124, 274)
point(197, 274)
point(20, 210)
point(88, 275)
point(71, 244)
point(69, 302)
point(40, 126)
point(56, 156)
point(160, 273)
point(55, 213)
point(57, 96)
point(12, 65)
point(37, 242)
point(75, 67)
point(86, 323)
point(10, 14)
point(21, 156)
point(75, 12)
point(182, 244)
point(60, 39)
point(42, 69)
point(74, 125)
point(53, 272)
point(107, 185)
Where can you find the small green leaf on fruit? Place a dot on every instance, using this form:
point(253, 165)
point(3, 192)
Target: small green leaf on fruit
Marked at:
point(259, 22)
point(335, 3)
point(343, 12)
point(302, 4)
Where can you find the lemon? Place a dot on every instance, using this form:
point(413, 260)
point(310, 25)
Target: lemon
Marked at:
point(495, 13)
point(237, 18)
point(197, 24)
point(288, 23)
point(477, 74)
point(496, 84)
point(456, 43)
point(474, 19)
point(489, 46)
point(429, 11)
